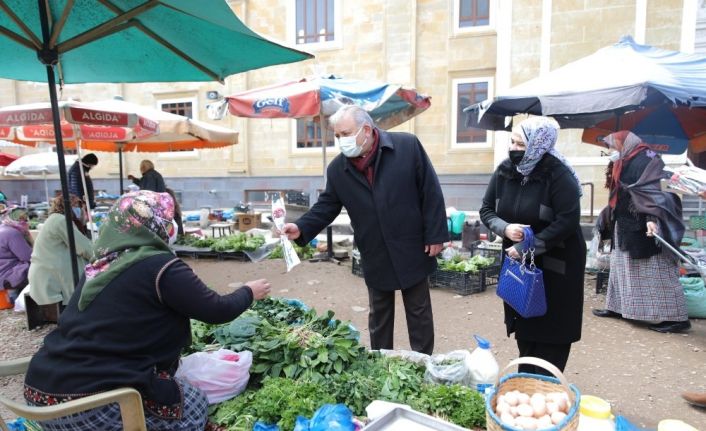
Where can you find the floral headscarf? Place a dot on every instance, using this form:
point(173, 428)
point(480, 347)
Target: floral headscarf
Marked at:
point(628, 145)
point(16, 218)
point(136, 228)
point(539, 135)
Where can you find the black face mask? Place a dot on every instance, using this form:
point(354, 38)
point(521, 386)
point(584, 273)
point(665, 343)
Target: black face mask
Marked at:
point(516, 156)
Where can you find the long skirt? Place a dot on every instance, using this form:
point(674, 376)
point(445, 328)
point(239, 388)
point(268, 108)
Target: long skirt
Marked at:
point(645, 289)
point(107, 418)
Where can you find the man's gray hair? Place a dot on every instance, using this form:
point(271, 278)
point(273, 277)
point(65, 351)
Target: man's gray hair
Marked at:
point(359, 115)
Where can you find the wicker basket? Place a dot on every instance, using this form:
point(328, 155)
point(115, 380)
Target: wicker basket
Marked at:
point(530, 383)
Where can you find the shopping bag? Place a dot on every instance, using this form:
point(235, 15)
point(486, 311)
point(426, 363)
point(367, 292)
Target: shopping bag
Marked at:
point(221, 375)
point(521, 285)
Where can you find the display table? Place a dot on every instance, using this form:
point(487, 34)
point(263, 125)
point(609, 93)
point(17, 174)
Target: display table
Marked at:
point(222, 228)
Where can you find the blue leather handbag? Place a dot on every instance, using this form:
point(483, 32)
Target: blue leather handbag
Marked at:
point(521, 285)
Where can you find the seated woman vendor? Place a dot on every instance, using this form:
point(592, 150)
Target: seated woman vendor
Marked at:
point(128, 321)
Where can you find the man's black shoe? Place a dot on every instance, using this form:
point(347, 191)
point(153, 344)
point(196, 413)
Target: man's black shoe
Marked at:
point(669, 326)
point(603, 312)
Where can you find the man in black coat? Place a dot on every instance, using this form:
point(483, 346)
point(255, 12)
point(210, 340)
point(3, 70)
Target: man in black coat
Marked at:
point(388, 186)
point(89, 161)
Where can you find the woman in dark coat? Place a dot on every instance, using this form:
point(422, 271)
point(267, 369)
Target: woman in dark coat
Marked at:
point(127, 323)
point(644, 277)
point(536, 187)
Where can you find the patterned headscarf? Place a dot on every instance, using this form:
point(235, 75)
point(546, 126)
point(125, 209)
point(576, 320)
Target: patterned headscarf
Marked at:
point(539, 135)
point(628, 145)
point(136, 227)
point(624, 142)
point(16, 218)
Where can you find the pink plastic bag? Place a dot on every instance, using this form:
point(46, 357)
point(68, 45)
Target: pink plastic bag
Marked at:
point(221, 375)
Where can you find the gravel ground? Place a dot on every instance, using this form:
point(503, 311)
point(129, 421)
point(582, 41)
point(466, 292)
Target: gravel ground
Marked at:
point(640, 372)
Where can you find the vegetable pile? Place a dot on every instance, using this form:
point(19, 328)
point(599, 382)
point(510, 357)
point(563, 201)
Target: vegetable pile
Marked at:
point(304, 253)
point(302, 360)
point(459, 263)
point(237, 242)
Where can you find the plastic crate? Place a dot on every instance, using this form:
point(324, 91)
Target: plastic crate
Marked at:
point(356, 269)
point(697, 222)
point(465, 283)
point(487, 249)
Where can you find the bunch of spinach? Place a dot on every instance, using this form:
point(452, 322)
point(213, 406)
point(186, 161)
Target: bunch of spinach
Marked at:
point(279, 401)
point(458, 404)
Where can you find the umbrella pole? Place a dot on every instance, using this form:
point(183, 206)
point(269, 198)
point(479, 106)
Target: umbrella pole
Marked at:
point(120, 167)
point(46, 188)
point(49, 59)
point(329, 229)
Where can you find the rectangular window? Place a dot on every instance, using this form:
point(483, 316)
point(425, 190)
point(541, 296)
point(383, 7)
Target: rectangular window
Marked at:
point(309, 135)
point(467, 92)
point(473, 16)
point(315, 21)
point(184, 108)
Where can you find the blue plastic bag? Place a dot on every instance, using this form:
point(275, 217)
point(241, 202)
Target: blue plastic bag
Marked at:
point(622, 424)
point(329, 417)
point(260, 426)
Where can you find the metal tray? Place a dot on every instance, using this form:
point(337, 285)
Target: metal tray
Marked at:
point(401, 419)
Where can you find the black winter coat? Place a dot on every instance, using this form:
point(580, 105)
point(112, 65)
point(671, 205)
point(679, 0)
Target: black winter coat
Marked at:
point(392, 220)
point(550, 203)
point(129, 334)
point(76, 186)
point(151, 180)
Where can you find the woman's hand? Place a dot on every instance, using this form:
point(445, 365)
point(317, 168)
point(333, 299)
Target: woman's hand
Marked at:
point(260, 288)
point(515, 232)
point(512, 252)
point(652, 228)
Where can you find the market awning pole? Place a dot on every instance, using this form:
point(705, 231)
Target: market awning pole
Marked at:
point(120, 167)
point(50, 57)
point(329, 229)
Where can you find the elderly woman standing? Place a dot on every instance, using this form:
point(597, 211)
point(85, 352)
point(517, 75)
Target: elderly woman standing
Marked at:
point(536, 187)
point(644, 278)
point(128, 321)
point(50, 277)
point(15, 250)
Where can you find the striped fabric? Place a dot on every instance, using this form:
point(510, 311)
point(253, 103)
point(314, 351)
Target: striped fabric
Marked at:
point(645, 289)
point(107, 418)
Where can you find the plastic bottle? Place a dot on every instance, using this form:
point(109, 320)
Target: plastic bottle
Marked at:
point(595, 414)
point(483, 366)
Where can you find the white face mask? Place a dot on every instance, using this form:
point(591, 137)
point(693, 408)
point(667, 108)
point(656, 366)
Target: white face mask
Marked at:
point(614, 156)
point(348, 145)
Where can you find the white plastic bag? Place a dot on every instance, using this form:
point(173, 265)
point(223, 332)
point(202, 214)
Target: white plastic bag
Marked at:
point(221, 375)
point(450, 368)
point(278, 216)
point(20, 300)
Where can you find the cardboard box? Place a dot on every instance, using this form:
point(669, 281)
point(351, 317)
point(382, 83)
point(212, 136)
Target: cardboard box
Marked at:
point(248, 221)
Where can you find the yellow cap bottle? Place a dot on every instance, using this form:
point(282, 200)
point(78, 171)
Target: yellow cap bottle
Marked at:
point(595, 414)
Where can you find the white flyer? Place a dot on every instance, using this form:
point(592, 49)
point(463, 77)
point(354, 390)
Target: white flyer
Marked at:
point(278, 215)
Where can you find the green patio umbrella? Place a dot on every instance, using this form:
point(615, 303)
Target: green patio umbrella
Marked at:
point(80, 41)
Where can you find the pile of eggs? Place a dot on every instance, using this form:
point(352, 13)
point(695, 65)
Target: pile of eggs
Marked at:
point(535, 412)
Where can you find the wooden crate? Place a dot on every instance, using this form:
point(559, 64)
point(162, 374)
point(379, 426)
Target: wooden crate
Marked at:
point(248, 221)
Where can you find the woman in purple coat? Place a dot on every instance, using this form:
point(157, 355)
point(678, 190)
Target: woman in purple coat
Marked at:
point(15, 250)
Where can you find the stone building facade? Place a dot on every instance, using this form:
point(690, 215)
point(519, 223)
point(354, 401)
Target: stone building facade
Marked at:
point(456, 51)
